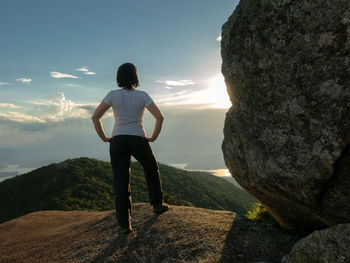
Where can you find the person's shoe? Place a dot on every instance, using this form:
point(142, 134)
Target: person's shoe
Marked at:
point(126, 230)
point(160, 208)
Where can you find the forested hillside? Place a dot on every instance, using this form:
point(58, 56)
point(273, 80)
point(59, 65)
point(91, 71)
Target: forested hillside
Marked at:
point(86, 184)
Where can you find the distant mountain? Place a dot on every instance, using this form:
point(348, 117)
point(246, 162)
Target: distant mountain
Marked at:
point(86, 184)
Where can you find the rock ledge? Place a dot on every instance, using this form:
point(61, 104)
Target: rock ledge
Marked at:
point(183, 234)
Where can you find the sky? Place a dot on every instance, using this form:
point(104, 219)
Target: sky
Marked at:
point(58, 59)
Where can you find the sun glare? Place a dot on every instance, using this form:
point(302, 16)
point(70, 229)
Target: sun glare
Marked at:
point(221, 172)
point(215, 95)
point(217, 92)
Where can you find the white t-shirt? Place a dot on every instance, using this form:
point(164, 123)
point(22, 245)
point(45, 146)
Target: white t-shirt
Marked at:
point(128, 108)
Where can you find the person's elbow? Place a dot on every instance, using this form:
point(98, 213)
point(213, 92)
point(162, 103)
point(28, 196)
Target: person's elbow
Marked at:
point(160, 118)
point(95, 118)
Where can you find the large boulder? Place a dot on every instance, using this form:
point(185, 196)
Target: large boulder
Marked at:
point(287, 69)
point(329, 245)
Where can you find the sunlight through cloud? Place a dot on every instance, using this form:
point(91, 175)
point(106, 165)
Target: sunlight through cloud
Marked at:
point(175, 83)
point(214, 95)
point(221, 172)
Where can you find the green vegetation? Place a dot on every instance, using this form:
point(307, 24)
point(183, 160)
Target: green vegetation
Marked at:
point(259, 213)
point(86, 184)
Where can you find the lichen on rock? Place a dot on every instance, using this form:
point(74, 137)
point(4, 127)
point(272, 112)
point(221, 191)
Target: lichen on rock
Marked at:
point(286, 138)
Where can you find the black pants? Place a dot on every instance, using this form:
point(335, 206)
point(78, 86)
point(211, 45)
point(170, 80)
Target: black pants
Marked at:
point(122, 147)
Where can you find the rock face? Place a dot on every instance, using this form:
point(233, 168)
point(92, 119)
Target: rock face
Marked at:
point(329, 245)
point(182, 234)
point(287, 69)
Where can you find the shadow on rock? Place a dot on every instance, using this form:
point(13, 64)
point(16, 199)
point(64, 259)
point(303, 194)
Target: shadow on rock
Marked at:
point(124, 244)
point(250, 241)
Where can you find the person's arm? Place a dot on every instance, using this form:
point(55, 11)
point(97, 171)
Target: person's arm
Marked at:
point(154, 110)
point(100, 110)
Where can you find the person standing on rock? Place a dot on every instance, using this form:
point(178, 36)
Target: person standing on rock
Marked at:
point(128, 139)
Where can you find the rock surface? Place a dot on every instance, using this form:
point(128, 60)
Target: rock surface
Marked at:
point(286, 138)
point(329, 245)
point(182, 234)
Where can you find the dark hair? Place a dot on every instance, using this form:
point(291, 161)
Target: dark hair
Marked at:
point(127, 76)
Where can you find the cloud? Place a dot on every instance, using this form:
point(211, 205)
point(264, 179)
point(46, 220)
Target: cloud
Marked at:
point(60, 109)
point(177, 83)
point(71, 85)
point(89, 108)
point(4, 83)
point(56, 108)
point(19, 117)
point(219, 38)
point(83, 69)
point(24, 80)
point(59, 104)
point(86, 71)
point(59, 75)
point(9, 105)
point(56, 114)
